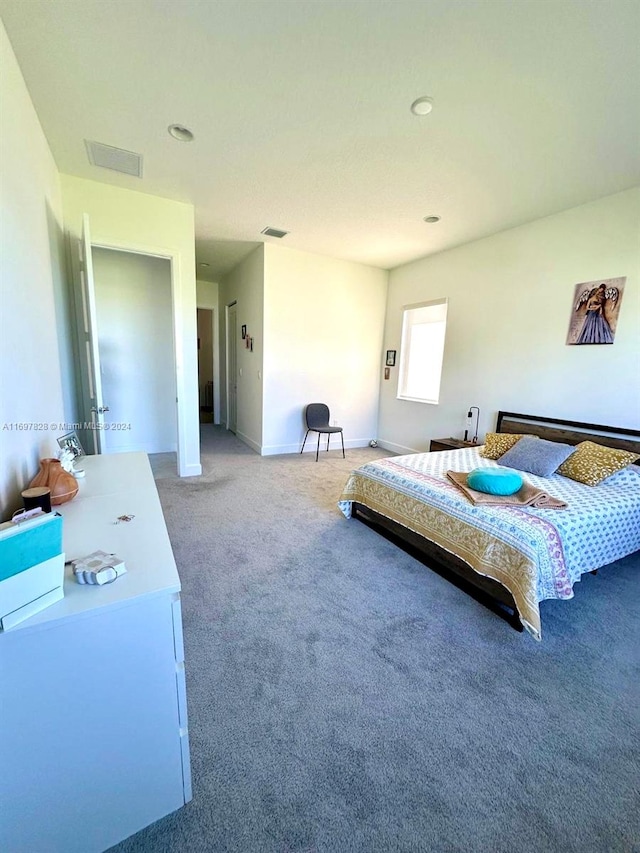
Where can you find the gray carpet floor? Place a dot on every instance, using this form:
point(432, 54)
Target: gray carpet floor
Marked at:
point(343, 697)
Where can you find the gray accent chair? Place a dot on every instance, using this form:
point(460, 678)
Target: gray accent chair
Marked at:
point(316, 416)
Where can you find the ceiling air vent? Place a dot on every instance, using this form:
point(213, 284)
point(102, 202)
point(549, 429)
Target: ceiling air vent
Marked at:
point(274, 232)
point(116, 159)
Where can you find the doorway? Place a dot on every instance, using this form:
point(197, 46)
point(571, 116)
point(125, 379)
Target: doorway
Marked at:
point(206, 380)
point(91, 406)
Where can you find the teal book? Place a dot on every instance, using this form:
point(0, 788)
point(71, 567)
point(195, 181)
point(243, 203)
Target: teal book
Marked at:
point(31, 542)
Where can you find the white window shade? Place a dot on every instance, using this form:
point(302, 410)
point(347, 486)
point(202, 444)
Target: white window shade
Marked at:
point(422, 351)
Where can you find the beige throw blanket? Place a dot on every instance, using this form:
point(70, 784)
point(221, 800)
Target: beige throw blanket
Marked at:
point(528, 495)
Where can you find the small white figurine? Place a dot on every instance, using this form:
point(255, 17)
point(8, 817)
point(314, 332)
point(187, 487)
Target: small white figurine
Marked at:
point(66, 458)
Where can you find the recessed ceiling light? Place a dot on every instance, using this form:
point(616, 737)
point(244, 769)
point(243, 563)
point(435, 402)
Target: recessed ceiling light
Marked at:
point(180, 132)
point(422, 106)
point(432, 219)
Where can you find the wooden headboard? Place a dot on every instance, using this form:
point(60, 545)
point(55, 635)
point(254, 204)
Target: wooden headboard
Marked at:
point(569, 432)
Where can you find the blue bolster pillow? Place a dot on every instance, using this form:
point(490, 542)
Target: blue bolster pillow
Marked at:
point(495, 481)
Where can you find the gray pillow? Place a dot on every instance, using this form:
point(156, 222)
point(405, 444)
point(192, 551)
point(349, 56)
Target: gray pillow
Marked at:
point(536, 455)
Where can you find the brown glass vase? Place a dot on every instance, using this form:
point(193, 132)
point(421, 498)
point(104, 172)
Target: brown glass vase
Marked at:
point(61, 483)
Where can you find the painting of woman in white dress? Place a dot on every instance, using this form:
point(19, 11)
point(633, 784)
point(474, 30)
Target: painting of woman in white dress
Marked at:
point(596, 305)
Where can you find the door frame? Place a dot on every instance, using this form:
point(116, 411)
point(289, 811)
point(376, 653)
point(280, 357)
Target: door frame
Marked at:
point(174, 258)
point(216, 364)
point(228, 343)
point(203, 305)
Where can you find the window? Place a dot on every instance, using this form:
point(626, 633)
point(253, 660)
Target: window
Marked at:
point(421, 351)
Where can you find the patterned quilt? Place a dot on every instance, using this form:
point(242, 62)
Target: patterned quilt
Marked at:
point(535, 553)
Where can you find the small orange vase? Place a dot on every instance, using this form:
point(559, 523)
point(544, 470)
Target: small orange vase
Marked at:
point(61, 483)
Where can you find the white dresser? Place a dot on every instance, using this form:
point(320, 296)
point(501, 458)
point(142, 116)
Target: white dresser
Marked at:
point(93, 715)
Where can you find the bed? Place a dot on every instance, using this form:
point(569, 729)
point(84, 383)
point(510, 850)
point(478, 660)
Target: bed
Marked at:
point(510, 557)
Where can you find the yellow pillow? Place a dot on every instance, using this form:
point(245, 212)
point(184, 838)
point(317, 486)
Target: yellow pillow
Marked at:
point(497, 443)
point(592, 463)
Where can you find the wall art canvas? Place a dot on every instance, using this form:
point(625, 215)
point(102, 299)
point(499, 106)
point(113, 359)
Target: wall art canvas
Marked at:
point(595, 310)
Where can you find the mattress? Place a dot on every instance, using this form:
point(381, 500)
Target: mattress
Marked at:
point(535, 553)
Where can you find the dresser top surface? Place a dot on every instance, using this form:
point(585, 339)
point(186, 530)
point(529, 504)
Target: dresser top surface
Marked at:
point(115, 485)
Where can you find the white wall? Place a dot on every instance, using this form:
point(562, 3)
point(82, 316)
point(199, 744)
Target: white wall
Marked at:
point(510, 298)
point(35, 351)
point(245, 285)
point(135, 339)
point(207, 296)
point(125, 219)
point(323, 326)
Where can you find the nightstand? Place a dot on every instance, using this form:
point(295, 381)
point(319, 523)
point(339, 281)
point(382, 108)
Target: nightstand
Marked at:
point(448, 444)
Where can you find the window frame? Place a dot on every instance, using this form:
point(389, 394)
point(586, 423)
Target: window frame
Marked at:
point(405, 350)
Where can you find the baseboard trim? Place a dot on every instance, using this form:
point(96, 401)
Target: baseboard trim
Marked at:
point(193, 470)
point(277, 449)
point(143, 447)
point(250, 442)
point(396, 448)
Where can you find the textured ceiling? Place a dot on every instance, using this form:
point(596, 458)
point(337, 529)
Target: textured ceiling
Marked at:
point(301, 112)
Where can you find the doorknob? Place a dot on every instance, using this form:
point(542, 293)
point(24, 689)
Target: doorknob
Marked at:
point(100, 410)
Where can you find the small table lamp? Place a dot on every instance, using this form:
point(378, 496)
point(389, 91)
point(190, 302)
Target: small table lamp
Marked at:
point(474, 440)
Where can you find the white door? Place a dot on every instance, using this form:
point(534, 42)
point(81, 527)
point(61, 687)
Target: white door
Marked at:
point(232, 368)
point(90, 339)
point(135, 326)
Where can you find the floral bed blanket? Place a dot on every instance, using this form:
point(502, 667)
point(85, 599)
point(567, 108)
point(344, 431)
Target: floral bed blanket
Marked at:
point(535, 553)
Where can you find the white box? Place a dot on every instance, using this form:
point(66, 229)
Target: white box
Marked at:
point(31, 591)
point(31, 567)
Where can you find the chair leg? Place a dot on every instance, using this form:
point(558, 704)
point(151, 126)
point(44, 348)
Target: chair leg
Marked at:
point(318, 447)
point(342, 440)
point(305, 440)
point(328, 437)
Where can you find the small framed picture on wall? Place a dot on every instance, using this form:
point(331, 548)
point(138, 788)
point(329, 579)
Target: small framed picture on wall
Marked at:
point(391, 358)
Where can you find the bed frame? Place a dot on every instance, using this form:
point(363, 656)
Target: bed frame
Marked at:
point(486, 590)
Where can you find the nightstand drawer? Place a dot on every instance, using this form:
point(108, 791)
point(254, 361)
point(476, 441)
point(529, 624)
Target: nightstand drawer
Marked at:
point(447, 444)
